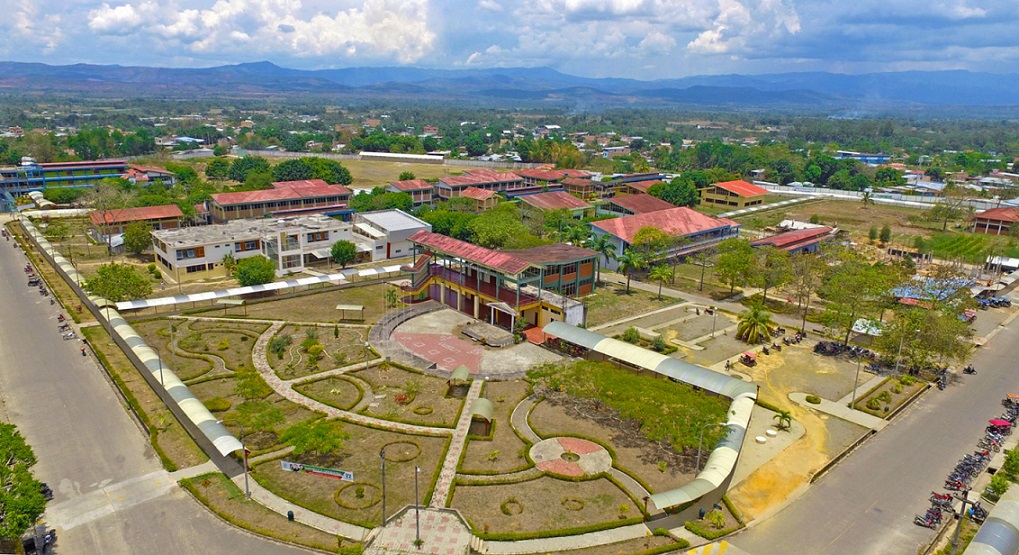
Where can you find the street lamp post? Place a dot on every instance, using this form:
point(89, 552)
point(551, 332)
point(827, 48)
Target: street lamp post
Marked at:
point(962, 517)
point(162, 385)
point(700, 439)
point(856, 382)
point(898, 357)
point(382, 456)
point(714, 315)
point(417, 510)
point(244, 450)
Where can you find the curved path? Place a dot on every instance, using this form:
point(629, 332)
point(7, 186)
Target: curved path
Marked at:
point(258, 357)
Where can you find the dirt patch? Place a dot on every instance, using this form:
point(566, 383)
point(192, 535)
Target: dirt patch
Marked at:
point(321, 307)
point(334, 391)
point(397, 393)
point(341, 346)
point(505, 451)
point(611, 301)
point(359, 454)
point(541, 505)
point(567, 416)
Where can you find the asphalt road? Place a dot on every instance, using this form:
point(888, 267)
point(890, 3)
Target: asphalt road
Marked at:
point(111, 494)
point(867, 503)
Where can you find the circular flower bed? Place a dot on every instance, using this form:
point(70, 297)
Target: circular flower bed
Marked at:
point(401, 451)
point(423, 410)
point(357, 495)
point(572, 503)
point(511, 507)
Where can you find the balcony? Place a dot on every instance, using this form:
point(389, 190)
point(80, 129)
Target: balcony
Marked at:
point(504, 294)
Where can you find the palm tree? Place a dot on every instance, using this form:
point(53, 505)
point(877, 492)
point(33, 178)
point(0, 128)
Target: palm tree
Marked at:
point(630, 261)
point(661, 274)
point(392, 298)
point(754, 324)
point(785, 419)
point(604, 246)
point(865, 199)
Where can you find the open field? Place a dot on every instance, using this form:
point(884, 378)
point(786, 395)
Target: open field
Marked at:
point(368, 174)
point(611, 302)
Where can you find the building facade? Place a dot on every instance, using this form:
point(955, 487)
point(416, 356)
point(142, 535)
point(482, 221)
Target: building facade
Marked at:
point(194, 253)
point(31, 176)
point(733, 194)
point(386, 233)
point(420, 191)
point(699, 231)
point(286, 198)
point(996, 221)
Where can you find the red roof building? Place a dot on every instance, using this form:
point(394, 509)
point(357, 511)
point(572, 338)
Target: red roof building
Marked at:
point(555, 201)
point(996, 221)
point(420, 191)
point(112, 222)
point(637, 204)
point(452, 186)
point(286, 197)
point(734, 194)
point(702, 231)
point(545, 177)
point(798, 240)
point(483, 199)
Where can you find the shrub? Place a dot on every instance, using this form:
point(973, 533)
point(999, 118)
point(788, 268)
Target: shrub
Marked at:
point(999, 485)
point(279, 344)
point(631, 335)
point(659, 344)
point(224, 344)
point(813, 399)
point(873, 403)
point(897, 388)
point(907, 380)
point(1011, 465)
point(885, 396)
point(717, 519)
point(152, 268)
point(218, 404)
point(660, 531)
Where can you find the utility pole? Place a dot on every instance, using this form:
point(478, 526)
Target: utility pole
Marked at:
point(962, 517)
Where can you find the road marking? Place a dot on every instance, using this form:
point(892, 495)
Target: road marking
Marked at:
point(109, 499)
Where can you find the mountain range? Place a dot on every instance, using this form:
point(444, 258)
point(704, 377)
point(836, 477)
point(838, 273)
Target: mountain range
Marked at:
point(521, 86)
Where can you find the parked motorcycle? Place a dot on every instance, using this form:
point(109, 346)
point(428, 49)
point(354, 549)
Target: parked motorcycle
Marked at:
point(969, 370)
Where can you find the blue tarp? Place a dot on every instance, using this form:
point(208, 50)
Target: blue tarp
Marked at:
point(930, 289)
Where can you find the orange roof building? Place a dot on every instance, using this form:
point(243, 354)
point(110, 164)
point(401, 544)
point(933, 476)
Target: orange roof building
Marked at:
point(700, 230)
point(733, 194)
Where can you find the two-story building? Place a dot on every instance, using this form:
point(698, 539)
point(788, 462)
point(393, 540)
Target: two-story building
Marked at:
point(481, 199)
point(387, 232)
point(798, 241)
point(113, 222)
point(420, 191)
point(452, 186)
point(629, 205)
point(193, 253)
point(733, 194)
point(537, 179)
point(558, 200)
point(30, 175)
point(500, 287)
point(286, 198)
point(699, 230)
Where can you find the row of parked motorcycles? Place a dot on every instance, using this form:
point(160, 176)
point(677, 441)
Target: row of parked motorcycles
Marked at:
point(994, 302)
point(836, 348)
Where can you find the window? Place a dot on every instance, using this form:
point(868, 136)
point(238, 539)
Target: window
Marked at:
point(570, 268)
point(243, 246)
point(196, 252)
point(195, 268)
point(318, 236)
point(291, 261)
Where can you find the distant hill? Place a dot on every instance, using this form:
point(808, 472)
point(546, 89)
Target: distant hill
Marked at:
point(513, 86)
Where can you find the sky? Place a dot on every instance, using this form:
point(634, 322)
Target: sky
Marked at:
point(640, 39)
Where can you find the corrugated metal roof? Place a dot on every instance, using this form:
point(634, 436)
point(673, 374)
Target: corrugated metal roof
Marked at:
point(472, 253)
point(554, 201)
point(283, 190)
point(742, 188)
point(641, 204)
point(674, 222)
point(482, 407)
point(412, 185)
point(141, 213)
point(477, 194)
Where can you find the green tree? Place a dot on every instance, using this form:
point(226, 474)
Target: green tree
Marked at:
point(257, 416)
point(774, 268)
point(258, 180)
point(807, 270)
point(406, 176)
point(606, 249)
point(255, 270)
point(475, 144)
point(660, 274)
point(853, 288)
point(250, 385)
point(704, 258)
point(735, 262)
point(785, 419)
point(242, 167)
point(21, 498)
point(495, 228)
point(886, 234)
point(316, 437)
point(107, 197)
point(1011, 464)
point(295, 169)
point(754, 324)
point(651, 242)
point(680, 192)
point(137, 238)
point(630, 261)
point(343, 252)
point(229, 263)
point(217, 168)
point(330, 171)
point(392, 298)
point(935, 337)
point(119, 282)
point(872, 234)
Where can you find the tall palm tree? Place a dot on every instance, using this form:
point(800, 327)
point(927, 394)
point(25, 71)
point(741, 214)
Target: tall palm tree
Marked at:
point(754, 324)
point(604, 246)
point(660, 274)
point(629, 262)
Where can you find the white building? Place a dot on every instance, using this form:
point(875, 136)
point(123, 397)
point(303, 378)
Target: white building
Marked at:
point(292, 243)
point(387, 232)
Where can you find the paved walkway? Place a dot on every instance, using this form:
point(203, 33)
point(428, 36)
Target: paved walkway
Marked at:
point(840, 410)
point(442, 532)
point(440, 496)
point(519, 419)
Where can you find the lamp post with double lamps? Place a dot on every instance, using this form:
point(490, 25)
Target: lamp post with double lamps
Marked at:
point(382, 456)
point(417, 509)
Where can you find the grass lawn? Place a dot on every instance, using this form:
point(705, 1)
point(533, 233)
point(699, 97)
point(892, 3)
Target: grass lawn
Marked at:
point(892, 400)
point(642, 398)
point(542, 505)
point(971, 247)
point(611, 302)
point(425, 404)
point(508, 447)
point(225, 499)
point(335, 391)
point(169, 437)
point(321, 307)
point(343, 345)
point(659, 544)
point(223, 388)
point(156, 333)
point(360, 454)
point(233, 347)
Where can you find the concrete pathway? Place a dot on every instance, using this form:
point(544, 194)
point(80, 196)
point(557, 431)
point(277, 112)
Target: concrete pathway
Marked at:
point(442, 532)
point(440, 496)
point(277, 504)
point(566, 543)
point(519, 419)
point(842, 411)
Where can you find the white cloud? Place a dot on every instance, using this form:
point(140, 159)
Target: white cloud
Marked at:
point(741, 24)
point(396, 29)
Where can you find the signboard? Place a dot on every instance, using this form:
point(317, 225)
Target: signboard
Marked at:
point(317, 470)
